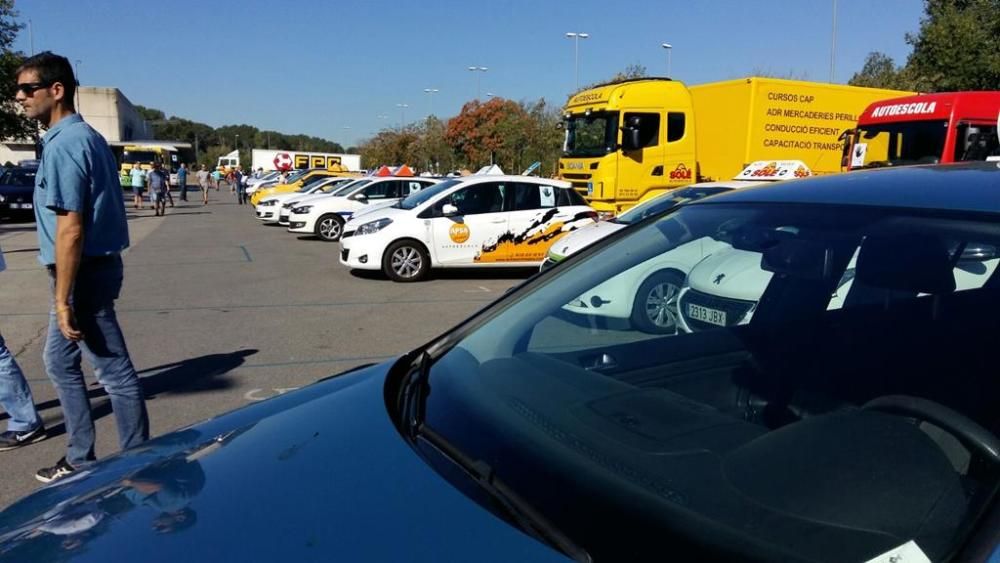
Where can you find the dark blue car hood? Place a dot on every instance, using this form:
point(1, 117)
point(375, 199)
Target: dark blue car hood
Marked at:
point(318, 474)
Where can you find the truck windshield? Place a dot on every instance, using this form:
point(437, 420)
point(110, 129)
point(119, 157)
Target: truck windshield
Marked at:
point(141, 156)
point(591, 135)
point(896, 144)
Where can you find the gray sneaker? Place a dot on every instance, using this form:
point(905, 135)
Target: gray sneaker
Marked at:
point(61, 469)
point(16, 438)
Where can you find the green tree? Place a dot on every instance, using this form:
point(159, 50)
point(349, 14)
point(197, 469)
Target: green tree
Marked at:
point(630, 72)
point(957, 47)
point(879, 71)
point(13, 123)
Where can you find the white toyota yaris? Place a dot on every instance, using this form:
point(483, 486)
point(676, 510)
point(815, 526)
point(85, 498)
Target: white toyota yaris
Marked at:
point(472, 221)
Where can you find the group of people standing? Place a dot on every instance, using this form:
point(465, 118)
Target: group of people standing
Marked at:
point(157, 182)
point(82, 231)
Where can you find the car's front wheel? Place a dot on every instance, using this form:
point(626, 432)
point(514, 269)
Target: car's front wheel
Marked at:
point(405, 261)
point(330, 227)
point(655, 307)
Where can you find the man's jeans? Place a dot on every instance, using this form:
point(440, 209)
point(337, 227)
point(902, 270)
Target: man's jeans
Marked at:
point(15, 395)
point(98, 284)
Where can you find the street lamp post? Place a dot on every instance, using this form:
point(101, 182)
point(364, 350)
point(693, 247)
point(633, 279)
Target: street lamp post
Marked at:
point(430, 92)
point(833, 43)
point(76, 71)
point(670, 49)
point(576, 37)
point(477, 69)
point(402, 114)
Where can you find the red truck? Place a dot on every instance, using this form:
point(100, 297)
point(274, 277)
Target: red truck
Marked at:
point(925, 129)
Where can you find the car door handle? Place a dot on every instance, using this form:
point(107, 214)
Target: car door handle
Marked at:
point(498, 221)
point(599, 362)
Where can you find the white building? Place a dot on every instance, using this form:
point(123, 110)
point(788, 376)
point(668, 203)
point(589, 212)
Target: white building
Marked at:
point(106, 109)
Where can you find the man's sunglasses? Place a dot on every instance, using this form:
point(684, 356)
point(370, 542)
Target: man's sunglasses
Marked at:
point(29, 88)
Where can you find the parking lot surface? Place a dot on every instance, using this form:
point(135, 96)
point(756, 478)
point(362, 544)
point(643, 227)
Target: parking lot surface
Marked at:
point(220, 311)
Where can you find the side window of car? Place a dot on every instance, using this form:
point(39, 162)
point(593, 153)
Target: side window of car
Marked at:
point(381, 190)
point(535, 196)
point(478, 199)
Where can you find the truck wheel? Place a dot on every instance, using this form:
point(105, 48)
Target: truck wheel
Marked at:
point(655, 307)
point(405, 261)
point(330, 227)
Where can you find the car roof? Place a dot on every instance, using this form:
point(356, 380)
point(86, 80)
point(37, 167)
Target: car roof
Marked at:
point(951, 187)
point(512, 178)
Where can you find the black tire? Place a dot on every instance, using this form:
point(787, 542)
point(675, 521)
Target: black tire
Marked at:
point(406, 261)
point(330, 227)
point(654, 310)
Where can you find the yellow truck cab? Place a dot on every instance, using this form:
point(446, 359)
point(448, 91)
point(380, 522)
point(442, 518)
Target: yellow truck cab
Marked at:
point(631, 141)
point(304, 180)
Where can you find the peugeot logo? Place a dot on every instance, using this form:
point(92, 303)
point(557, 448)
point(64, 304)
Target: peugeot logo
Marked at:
point(718, 279)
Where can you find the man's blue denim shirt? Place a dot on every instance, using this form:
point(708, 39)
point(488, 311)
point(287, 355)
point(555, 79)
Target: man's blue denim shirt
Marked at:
point(78, 173)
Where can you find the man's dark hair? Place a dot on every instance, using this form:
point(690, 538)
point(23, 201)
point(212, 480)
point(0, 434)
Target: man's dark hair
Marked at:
point(52, 68)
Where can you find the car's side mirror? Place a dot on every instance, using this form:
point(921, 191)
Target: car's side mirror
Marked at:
point(361, 197)
point(449, 209)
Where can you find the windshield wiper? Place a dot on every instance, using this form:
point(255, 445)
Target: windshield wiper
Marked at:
point(877, 164)
point(515, 507)
point(414, 399)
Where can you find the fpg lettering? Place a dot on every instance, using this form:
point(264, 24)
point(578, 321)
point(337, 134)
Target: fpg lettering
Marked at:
point(315, 161)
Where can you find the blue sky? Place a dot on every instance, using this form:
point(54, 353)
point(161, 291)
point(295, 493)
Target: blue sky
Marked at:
point(330, 69)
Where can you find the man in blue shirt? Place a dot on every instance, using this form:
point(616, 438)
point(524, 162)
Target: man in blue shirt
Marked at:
point(80, 213)
point(182, 181)
point(138, 184)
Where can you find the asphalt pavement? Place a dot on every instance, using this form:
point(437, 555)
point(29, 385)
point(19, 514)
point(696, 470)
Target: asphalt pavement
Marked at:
point(220, 311)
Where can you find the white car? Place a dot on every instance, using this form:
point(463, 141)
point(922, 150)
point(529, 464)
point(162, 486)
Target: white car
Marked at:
point(269, 208)
point(325, 217)
point(647, 295)
point(342, 186)
point(254, 183)
point(471, 221)
point(755, 174)
point(725, 288)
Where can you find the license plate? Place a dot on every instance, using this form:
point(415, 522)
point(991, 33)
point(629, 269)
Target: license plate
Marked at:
point(706, 315)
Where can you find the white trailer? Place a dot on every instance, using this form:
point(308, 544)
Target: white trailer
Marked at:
point(287, 159)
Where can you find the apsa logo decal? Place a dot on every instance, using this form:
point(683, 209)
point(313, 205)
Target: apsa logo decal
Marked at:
point(459, 233)
point(681, 173)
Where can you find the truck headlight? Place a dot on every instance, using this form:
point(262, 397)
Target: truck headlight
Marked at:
point(303, 209)
point(373, 227)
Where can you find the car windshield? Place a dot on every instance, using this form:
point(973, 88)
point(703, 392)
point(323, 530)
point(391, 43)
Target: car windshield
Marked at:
point(589, 135)
point(418, 198)
point(667, 201)
point(779, 381)
point(296, 175)
point(895, 144)
point(18, 177)
point(349, 187)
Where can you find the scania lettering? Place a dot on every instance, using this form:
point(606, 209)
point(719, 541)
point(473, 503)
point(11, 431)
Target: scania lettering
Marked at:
point(924, 129)
point(631, 141)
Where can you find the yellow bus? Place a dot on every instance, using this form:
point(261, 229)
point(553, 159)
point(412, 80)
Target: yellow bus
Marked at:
point(144, 156)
